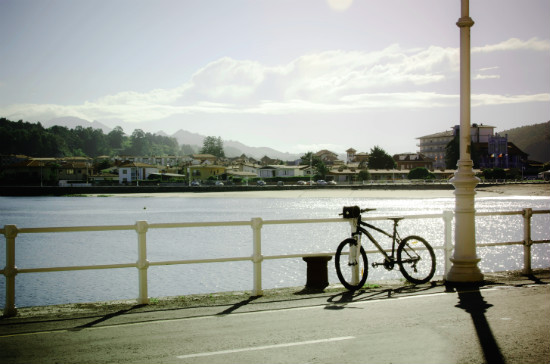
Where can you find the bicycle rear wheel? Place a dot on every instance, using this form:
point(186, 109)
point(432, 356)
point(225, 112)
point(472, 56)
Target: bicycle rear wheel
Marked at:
point(416, 259)
point(351, 272)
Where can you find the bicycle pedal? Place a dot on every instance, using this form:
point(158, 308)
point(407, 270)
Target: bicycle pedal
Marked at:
point(376, 265)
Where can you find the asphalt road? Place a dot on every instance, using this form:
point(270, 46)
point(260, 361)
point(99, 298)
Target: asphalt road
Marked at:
point(495, 324)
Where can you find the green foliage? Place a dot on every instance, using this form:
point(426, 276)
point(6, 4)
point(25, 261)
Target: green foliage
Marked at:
point(420, 173)
point(379, 159)
point(532, 139)
point(58, 141)
point(364, 175)
point(452, 152)
point(214, 146)
point(317, 163)
point(494, 173)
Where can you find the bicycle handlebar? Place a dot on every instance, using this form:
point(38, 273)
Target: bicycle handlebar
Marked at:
point(353, 211)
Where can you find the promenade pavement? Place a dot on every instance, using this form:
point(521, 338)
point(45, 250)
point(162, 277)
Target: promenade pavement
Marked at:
point(504, 320)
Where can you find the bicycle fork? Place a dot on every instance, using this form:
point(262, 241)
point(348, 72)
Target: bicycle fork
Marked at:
point(354, 253)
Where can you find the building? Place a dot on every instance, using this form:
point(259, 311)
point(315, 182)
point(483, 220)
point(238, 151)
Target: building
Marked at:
point(413, 160)
point(281, 171)
point(327, 156)
point(206, 171)
point(433, 146)
point(353, 157)
point(132, 172)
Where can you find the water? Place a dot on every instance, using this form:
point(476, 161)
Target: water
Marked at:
point(91, 248)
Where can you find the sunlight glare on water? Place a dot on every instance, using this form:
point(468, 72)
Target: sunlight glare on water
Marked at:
point(91, 248)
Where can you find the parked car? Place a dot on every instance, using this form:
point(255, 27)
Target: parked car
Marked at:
point(260, 183)
point(321, 182)
point(331, 182)
point(301, 183)
point(195, 183)
point(219, 183)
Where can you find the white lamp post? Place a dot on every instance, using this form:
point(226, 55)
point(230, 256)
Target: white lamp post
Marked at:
point(464, 268)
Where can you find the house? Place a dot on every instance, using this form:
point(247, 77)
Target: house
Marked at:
point(327, 156)
point(131, 172)
point(198, 159)
point(206, 171)
point(412, 160)
point(74, 170)
point(31, 171)
point(354, 157)
point(265, 161)
point(343, 175)
point(281, 171)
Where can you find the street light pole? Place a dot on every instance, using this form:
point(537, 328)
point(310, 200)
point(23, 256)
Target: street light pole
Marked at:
point(465, 260)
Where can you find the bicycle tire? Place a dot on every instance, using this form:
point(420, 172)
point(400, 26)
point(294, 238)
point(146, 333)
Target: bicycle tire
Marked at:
point(416, 259)
point(344, 269)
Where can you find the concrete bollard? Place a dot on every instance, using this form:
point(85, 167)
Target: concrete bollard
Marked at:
point(317, 272)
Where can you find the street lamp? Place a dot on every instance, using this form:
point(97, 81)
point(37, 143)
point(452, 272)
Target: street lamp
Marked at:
point(464, 268)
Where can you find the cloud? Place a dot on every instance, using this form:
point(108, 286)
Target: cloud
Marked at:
point(334, 81)
point(515, 44)
point(487, 99)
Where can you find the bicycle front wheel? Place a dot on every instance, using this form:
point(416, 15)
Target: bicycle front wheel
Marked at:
point(416, 259)
point(352, 270)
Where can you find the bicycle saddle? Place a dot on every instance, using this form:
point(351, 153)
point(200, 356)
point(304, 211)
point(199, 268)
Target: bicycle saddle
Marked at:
point(396, 218)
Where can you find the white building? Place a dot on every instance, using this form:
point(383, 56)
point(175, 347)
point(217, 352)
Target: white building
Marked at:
point(134, 171)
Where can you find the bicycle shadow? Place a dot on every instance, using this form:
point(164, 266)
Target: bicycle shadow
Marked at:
point(471, 301)
point(341, 300)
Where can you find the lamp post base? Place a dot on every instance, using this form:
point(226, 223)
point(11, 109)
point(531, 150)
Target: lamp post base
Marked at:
point(464, 271)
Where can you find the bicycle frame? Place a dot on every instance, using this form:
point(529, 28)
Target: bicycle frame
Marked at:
point(357, 230)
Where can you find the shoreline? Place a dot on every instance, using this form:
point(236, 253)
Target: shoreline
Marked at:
point(537, 190)
point(357, 191)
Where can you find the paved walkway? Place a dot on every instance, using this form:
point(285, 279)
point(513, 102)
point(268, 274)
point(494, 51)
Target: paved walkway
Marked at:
point(505, 320)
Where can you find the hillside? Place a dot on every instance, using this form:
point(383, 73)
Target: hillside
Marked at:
point(233, 148)
point(532, 139)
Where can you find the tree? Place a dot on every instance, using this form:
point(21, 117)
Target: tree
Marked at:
point(116, 137)
point(364, 175)
point(420, 173)
point(452, 152)
point(379, 159)
point(214, 146)
point(316, 163)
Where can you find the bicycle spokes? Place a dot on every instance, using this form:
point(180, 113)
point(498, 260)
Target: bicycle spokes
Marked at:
point(351, 264)
point(416, 259)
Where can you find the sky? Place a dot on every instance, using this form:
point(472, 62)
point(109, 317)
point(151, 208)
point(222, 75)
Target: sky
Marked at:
point(292, 75)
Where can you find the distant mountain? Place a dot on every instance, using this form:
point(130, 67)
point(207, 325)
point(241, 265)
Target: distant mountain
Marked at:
point(532, 139)
point(233, 148)
point(72, 122)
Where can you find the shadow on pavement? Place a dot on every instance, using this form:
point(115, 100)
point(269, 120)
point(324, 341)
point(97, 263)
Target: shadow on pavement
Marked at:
point(340, 300)
point(105, 318)
point(237, 306)
point(471, 301)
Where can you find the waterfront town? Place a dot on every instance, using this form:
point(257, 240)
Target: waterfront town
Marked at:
point(492, 152)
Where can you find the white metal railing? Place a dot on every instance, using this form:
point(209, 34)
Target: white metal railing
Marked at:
point(141, 227)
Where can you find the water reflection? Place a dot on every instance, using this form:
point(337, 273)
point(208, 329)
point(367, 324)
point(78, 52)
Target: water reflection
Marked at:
point(65, 249)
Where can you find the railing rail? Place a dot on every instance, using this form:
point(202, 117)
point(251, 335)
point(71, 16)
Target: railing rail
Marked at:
point(141, 227)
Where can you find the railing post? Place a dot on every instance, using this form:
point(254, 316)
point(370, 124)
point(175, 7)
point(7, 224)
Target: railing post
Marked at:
point(448, 244)
point(257, 257)
point(10, 271)
point(142, 263)
point(527, 242)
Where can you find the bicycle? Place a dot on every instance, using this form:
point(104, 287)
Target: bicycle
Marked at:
point(414, 256)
